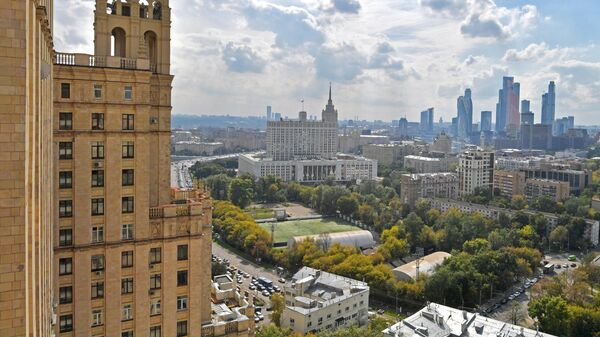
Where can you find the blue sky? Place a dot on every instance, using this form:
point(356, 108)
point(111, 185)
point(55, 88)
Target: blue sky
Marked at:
point(386, 58)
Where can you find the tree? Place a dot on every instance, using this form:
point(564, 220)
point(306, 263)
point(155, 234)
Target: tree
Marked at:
point(347, 204)
point(551, 313)
point(518, 202)
point(277, 304)
point(559, 236)
point(218, 186)
point(241, 192)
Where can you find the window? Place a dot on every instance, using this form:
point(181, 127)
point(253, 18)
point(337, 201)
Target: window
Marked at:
point(127, 232)
point(65, 179)
point(96, 317)
point(97, 150)
point(65, 150)
point(97, 234)
point(127, 334)
point(65, 295)
point(65, 237)
point(154, 307)
point(127, 312)
point(155, 255)
point(97, 178)
point(155, 331)
point(127, 285)
point(65, 208)
point(97, 121)
point(98, 206)
point(65, 121)
point(65, 90)
point(127, 148)
point(182, 278)
point(128, 92)
point(127, 259)
point(182, 252)
point(66, 323)
point(97, 290)
point(65, 266)
point(97, 91)
point(127, 121)
point(154, 281)
point(182, 303)
point(127, 204)
point(97, 262)
point(182, 328)
point(127, 177)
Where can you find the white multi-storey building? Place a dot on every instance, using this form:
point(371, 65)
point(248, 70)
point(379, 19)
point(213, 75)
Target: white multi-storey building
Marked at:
point(316, 300)
point(306, 150)
point(475, 169)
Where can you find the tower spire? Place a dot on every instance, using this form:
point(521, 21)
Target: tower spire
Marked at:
point(329, 93)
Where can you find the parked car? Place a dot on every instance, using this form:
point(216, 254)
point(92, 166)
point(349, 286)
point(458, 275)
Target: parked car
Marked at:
point(256, 319)
point(281, 280)
point(266, 293)
point(573, 265)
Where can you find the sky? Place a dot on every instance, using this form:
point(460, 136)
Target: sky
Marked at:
point(386, 59)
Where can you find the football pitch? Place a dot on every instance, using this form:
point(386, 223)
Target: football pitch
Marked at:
point(285, 230)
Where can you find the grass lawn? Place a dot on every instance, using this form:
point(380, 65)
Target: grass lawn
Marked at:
point(260, 213)
point(287, 229)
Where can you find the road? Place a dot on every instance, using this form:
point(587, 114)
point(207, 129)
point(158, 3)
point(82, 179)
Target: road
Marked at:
point(180, 165)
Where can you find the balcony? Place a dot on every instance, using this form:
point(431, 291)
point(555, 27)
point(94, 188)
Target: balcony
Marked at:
point(86, 60)
point(184, 202)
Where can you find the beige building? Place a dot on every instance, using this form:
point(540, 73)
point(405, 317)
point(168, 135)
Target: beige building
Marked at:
point(442, 143)
point(509, 183)
point(26, 208)
point(475, 169)
point(316, 300)
point(557, 190)
point(387, 154)
point(428, 185)
point(232, 313)
point(420, 164)
point(132, 256)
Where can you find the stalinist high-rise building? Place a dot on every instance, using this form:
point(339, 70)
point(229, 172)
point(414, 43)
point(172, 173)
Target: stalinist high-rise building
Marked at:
point(132, 255)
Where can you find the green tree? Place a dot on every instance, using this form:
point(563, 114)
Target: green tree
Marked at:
point(241, 192)
point(559, 236)
point(347, 204)
point(551, 313)
point(218, 186)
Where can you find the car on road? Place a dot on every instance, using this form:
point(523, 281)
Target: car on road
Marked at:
point(256, 319)
point(565, 265)
point(557, 266)
point(261, 317)
point(572, 258)
point(266, 293)
point(281, 280)
point(573, 265)
point(252, 287)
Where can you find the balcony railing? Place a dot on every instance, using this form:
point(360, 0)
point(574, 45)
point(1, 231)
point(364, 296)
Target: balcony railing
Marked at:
point(186, 202)
point(86, 60)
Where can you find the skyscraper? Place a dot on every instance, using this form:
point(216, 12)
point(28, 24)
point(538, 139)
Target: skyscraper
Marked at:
point(526, 114)
point(132, 255)
point(549, 104)
point(486, 121)
point(507, 108)
point(464, 106)
point(26, 149)
point(268, 112)
point(427, 120)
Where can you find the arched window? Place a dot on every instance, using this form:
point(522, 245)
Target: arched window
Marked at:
point(156, 10)
point(150, 38)
point(118, 42)
point(144, 9)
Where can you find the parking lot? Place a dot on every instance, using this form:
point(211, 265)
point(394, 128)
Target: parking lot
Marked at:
point(246, 277)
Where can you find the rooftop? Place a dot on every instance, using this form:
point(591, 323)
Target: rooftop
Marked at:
point(436, 320)
point(426, 265)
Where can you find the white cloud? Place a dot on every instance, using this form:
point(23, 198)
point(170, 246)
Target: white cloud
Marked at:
point(242, 58)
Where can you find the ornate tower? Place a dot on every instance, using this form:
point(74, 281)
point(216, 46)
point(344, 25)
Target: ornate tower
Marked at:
point(329, 114)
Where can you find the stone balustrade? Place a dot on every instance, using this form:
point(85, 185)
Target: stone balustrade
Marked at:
point(87, 60)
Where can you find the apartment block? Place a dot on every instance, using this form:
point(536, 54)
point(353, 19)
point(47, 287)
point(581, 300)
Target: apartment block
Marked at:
point(132, 255)
point(387, 154)
point(509, 183)
point(316, 300)
point(428, 185)
point(475, 170)
point(26, 209)
point(557, 190)
point(421, 164)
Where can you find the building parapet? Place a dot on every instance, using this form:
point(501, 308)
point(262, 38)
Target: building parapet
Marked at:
point(87, 60)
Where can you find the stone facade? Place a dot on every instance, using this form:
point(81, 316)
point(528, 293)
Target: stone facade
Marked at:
point(428, 185)
point(132, 255)
point(509, 183)
point(26, 292)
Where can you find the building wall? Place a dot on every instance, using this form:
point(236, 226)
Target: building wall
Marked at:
point(387, 154)
point(557, 190)
point(475, 169)
point(26, 292)
point(428, 185)
point(509, 183)
point(289, 139)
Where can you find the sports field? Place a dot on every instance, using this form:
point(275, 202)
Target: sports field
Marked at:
point(260, 213)
point(287, 229)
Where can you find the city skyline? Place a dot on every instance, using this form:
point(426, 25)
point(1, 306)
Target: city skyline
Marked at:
point(259, 53)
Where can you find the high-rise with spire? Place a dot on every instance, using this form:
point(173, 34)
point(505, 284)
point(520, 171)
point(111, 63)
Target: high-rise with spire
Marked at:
point(329, 114)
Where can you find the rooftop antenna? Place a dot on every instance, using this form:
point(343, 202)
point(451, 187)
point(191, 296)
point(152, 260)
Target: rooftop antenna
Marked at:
point(302, 101)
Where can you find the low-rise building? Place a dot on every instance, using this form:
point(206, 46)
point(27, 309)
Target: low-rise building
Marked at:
point(557, 190)
point(423, 265)
point(361, 239)
point(422, 164)
point(343, 167)
point(428, 185)
point(232, 313)
point(442, 321)
point(316, 300)
point(387, 154)
point(197, 148)
point(509, 183)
